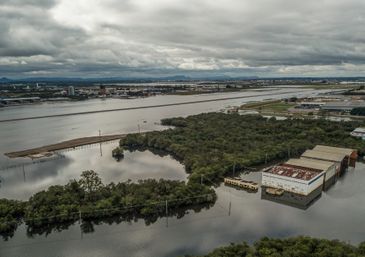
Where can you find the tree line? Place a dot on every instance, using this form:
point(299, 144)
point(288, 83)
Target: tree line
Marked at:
point(290, 247)
point(212, 145)
point(89, 199)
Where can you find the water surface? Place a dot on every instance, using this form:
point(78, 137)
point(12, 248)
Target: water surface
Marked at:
point(339, 213)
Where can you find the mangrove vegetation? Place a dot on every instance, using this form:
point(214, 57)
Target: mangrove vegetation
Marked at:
point(290, 247)
point(211, 145)
point(88, 199)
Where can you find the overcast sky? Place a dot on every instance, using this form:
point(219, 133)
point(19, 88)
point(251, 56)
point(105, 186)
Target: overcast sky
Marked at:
point(107, 38)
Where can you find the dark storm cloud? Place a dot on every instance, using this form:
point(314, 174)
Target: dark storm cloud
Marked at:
point(242, 37)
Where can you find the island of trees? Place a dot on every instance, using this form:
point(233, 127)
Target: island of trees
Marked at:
point(211, 145)
point(291, 247)
point(88, 199)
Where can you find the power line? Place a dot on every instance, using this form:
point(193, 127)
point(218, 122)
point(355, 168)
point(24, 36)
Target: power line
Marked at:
point(162, 203)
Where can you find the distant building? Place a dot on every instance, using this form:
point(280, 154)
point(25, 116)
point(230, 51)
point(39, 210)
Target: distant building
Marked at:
point(102, 90)
point(345, 106)
point(19, 100)
point(358, 132)
point(310, 105)
point(71, 91)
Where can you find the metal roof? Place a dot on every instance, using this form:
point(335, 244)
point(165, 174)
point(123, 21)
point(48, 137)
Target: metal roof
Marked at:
point(330, 149)
point(300, 173)
point(359, 130)
point(311, 163)
point(344, 105)
point(315, 154)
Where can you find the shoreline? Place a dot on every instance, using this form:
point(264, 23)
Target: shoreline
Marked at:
point(64, 145)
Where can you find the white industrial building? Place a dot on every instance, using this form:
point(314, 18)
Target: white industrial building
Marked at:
point(299, 180)
point(317, 169)
point(329, 168)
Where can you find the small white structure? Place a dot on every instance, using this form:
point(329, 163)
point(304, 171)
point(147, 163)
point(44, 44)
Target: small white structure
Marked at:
point(358, 132)
point(247, 112)
point(297, 180)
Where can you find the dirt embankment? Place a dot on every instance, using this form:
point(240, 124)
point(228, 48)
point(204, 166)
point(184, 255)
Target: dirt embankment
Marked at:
point(64, 145)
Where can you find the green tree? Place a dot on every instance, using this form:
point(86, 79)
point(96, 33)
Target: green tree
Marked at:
point(90, 181)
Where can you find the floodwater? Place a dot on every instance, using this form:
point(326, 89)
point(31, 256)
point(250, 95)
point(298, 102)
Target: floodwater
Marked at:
point(237, 215)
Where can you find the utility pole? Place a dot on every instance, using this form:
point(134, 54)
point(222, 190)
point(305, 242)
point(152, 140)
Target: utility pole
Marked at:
point(101, 150)
point(265, 158)
point(167, 213)
point(234, 169)
point(23, 172)
point(80, 216)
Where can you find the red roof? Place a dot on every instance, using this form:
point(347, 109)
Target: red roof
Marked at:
point(295, 172)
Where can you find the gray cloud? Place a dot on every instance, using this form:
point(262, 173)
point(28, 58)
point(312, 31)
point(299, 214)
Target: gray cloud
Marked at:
point(141, 37)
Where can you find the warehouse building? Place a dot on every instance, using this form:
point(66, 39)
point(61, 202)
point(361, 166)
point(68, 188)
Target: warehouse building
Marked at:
point(337, 158)
point(329, 169)
point(342, 157)
point(350, 154)
point(343, 106)
point(299, 180)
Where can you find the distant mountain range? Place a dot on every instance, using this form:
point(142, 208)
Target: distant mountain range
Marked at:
point(177, 78)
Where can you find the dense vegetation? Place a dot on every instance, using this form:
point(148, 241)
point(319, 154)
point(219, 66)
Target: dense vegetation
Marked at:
point(88, 199)
point(211, 144)
point(360, 111)
point(11, 213)
point(291, 247)
point(118, 153)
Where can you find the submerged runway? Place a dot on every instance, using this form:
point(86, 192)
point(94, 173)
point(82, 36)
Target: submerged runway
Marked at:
point(142, 107)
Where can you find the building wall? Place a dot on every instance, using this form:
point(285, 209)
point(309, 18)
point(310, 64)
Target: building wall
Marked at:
point(291, 185)
point(316, 183)
point(329, 182)
point(353, 159)
point(330, 172)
